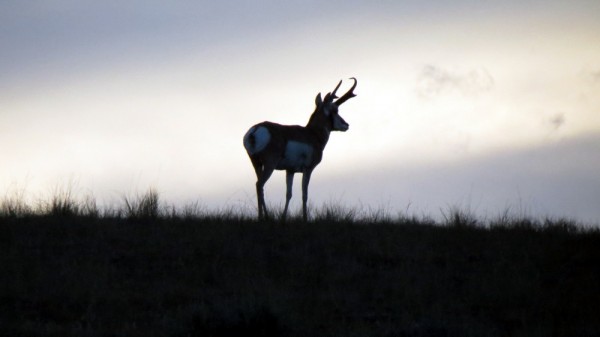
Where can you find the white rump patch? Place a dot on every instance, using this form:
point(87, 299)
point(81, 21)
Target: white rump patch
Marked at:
point(256, 139)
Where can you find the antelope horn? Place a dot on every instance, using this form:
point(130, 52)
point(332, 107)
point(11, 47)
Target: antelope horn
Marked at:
point(334, 90)
point(347, 95)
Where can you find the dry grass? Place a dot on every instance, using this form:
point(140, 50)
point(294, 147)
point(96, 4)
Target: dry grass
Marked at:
point(152, 270)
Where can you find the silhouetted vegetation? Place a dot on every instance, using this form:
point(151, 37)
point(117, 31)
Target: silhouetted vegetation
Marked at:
point(71, 269)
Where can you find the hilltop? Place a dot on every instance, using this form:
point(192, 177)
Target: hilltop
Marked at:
point(146, 274)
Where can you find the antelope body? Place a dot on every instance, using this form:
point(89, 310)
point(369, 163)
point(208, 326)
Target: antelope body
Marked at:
point(294, 148)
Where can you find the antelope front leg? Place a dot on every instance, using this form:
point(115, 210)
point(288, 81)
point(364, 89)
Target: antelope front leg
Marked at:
point(305, 181)
point(289, 181)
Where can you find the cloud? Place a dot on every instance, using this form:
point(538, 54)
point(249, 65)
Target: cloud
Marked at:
point(590, 76)
point(554, 179)
point(595, 76)
point(434, 81)
point(557, 121)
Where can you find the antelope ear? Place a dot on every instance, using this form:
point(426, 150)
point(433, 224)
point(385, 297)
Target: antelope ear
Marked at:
point(318, 100)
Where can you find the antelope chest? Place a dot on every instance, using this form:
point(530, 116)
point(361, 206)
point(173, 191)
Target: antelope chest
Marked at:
point(297, 157)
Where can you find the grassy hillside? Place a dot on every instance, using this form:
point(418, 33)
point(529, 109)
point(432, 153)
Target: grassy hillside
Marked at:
point(150, 274)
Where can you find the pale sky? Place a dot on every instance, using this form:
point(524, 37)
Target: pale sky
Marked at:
point(486, 105)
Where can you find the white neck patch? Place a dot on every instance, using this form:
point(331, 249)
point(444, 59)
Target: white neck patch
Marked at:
point(298, 156)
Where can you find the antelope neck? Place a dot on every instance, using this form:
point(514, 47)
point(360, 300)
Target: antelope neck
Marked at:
point(321, 133)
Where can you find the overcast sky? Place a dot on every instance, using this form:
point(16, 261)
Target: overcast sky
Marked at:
point(486, 105)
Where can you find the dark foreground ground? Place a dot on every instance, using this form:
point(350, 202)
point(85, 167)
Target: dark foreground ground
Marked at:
point(81, 276)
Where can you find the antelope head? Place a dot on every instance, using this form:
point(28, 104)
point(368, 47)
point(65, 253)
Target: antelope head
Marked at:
point(330, 104)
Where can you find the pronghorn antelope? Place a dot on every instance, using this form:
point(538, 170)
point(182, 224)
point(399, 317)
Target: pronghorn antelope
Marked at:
point(294, 148)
